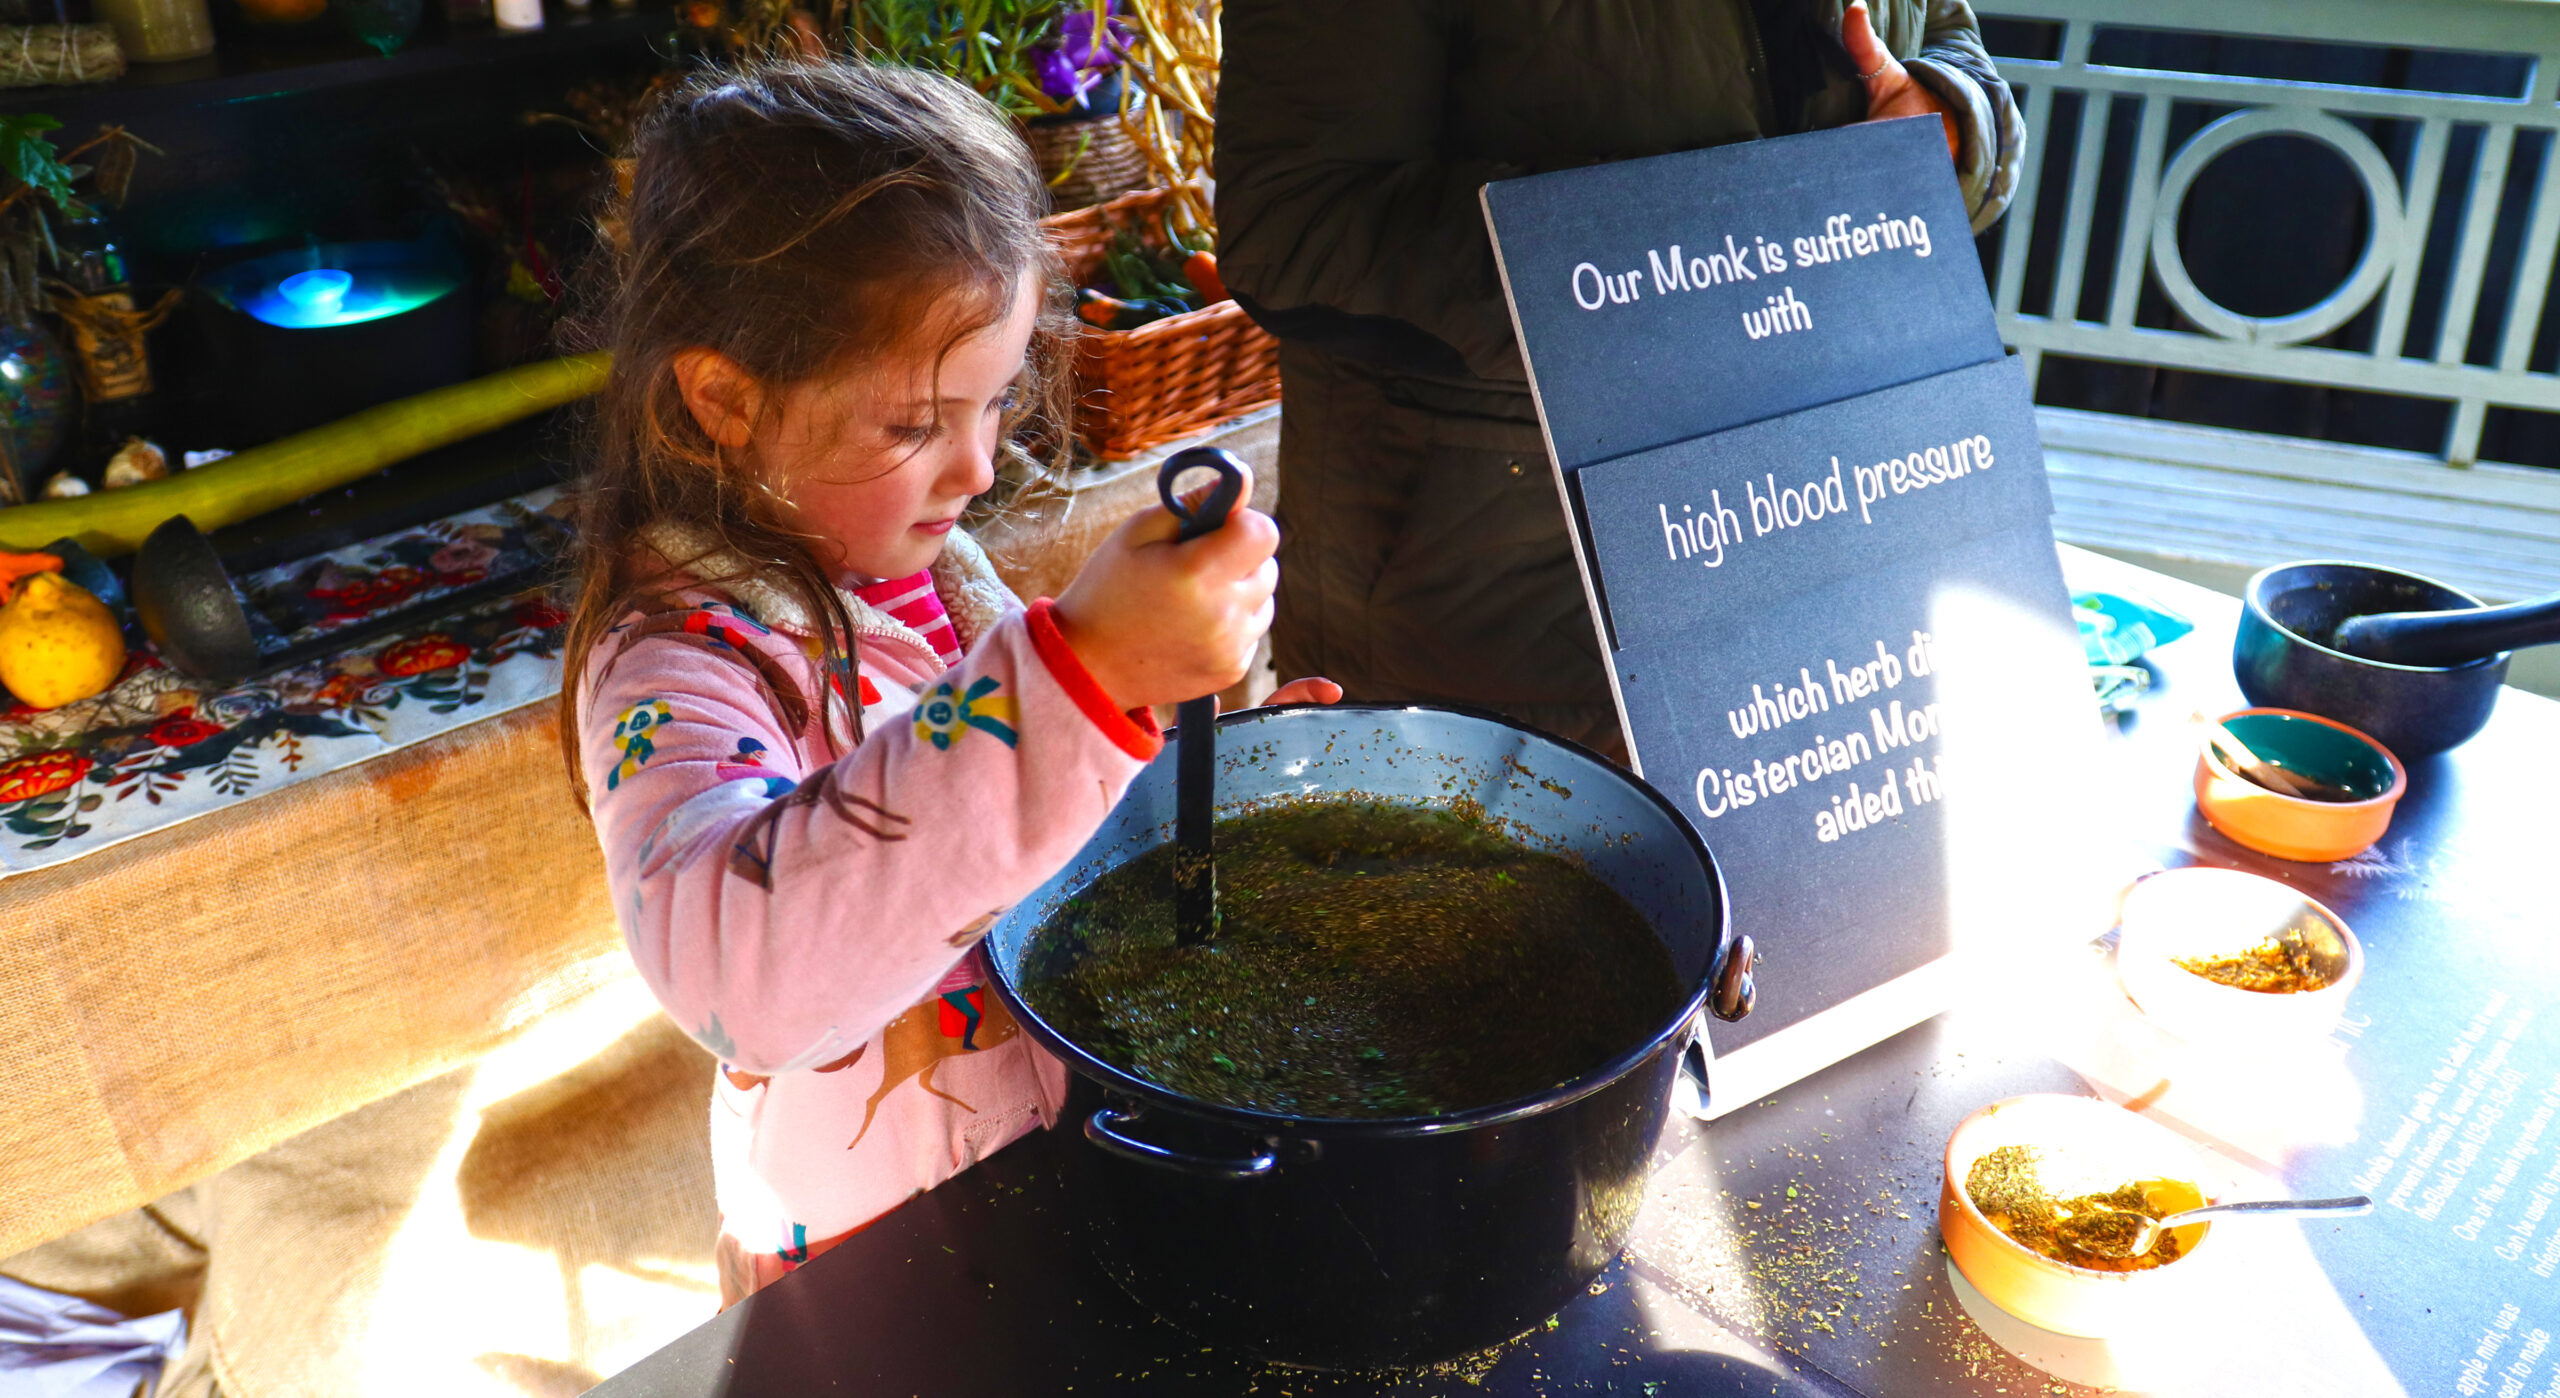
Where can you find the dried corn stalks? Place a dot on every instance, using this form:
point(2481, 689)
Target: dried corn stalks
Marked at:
point(1174, 60)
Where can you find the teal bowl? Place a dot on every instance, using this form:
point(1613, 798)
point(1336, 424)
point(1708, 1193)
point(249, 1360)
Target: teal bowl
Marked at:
point(2301, 743)
point(2292, 827)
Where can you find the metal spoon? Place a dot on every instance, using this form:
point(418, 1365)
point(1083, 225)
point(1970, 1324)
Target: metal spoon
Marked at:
point(2147, 1232)
point(1195, 780)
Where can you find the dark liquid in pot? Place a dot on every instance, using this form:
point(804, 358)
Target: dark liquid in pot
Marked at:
point(1374, 960)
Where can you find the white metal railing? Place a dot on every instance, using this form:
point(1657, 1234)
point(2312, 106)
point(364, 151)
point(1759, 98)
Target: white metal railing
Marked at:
point(2405, 202)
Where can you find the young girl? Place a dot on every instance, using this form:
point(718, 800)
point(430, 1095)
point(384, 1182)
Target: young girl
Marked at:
point(821, 742)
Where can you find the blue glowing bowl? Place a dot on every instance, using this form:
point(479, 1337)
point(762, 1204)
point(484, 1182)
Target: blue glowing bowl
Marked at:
point(311, 334)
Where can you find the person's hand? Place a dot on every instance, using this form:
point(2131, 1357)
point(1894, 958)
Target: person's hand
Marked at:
point(1156, 622)
point(1891, 90)
point(1314, 689)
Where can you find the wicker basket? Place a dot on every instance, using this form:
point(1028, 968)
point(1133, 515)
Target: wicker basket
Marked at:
point(1094, 154)
point(1167, 380)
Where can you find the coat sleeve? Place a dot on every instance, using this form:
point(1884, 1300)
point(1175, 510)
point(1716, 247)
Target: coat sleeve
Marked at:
point(1339, 223)
point(1953, 64)
point(783, 913)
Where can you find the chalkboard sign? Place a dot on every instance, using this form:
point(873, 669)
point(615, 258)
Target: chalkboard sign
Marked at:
point(1659, 300)
point(1813, 518)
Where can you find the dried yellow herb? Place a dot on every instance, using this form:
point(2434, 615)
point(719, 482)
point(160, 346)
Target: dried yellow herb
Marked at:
point(2092, 1230)
point(2304, 953)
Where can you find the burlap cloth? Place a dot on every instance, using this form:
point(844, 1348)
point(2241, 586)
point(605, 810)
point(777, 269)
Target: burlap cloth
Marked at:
point(528, 1225)
point(464, 1153)
point(180, 1002)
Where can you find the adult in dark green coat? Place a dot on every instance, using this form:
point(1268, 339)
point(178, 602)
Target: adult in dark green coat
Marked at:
point(1424, 555)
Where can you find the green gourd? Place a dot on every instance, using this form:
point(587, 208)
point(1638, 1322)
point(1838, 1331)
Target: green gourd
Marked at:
point(250, 483)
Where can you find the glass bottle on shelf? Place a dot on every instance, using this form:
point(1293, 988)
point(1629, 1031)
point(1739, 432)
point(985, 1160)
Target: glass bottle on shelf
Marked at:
point(159, 31)
point(383, 24)
point(108, 342)
point(91, 261)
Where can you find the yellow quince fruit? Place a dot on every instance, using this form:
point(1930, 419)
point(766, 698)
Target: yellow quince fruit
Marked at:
point(58, 643)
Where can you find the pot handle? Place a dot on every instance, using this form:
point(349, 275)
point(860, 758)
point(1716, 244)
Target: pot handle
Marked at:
point(1689, 1092)
point(1103, 1128)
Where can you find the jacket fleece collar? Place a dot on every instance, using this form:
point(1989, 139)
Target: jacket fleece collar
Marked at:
point(971, 591)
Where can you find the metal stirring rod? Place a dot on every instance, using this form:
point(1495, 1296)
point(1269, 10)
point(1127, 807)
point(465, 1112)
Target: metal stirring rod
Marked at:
point(1195, 775)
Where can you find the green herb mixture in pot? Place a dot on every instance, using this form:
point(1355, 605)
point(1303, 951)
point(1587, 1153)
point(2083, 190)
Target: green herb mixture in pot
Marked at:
point(1373, 959)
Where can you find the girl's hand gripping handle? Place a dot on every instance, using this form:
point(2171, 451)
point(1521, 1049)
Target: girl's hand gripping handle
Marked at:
point(1170, 608)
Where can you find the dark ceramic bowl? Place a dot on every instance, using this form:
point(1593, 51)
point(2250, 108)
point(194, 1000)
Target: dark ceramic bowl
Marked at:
point(2283, 661)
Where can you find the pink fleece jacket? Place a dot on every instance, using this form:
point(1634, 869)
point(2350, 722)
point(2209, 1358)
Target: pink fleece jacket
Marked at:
point(814, 919)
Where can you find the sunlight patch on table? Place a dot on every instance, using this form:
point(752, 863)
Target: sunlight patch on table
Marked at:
point(2034, 856)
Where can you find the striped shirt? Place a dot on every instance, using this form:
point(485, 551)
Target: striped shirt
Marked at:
point(913, 602)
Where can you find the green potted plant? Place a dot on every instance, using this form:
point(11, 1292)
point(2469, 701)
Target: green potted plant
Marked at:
point(1034, 58)
point(1054, 64)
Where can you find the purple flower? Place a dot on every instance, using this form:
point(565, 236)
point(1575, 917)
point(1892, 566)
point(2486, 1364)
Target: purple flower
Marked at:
point(1090, 50)
point(1056, 75)
point(1082, 56)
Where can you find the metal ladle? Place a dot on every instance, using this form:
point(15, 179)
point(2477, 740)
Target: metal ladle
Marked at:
point(191, 608)
point(1195, 869)
point(2147, 1231)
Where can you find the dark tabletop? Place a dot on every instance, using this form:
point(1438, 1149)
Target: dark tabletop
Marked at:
point(1791, 1246)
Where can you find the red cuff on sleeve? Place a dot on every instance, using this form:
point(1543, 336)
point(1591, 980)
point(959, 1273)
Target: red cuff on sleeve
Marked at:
point(1134, 731)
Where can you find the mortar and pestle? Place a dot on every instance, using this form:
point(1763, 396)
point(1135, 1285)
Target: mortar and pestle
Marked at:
point(2412, 662)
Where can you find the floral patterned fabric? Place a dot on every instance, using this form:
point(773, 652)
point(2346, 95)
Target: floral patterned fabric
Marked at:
point(160, 748)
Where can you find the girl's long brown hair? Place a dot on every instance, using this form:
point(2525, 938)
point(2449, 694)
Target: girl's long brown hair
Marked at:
point(798, 218)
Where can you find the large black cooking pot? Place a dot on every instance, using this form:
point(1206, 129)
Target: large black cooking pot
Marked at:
point(1351, 1243)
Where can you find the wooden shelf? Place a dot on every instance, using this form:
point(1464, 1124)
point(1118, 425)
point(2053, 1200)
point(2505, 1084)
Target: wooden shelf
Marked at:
point(247, 70)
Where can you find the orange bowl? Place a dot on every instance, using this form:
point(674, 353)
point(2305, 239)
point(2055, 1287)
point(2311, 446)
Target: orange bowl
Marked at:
point(2056, 1295)
point(2292, 827)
